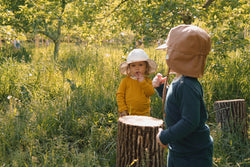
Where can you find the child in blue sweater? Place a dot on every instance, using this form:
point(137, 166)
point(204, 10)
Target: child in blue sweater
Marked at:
point(187, 136)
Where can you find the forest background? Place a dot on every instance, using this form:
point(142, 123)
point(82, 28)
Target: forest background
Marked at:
point(59, 73)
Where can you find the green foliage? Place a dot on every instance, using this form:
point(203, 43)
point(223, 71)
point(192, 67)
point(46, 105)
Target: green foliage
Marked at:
point(227, 78)
point(149, 20)
point(52, 17)
point(10, 52)
point(228, 22)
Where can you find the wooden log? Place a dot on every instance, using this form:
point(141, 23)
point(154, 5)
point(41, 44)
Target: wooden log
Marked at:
point(231, 114)
point(136, 142)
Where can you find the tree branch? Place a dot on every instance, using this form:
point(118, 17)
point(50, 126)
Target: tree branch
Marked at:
point(114, 9)
point(207, 4)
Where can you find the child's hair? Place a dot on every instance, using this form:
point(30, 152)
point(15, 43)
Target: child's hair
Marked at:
point(146, 71)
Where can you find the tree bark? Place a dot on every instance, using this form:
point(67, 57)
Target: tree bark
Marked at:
point(136, 142)
point(231, 114)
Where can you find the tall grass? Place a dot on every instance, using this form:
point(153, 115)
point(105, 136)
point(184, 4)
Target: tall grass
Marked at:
point(227, 78)
point(64, 113)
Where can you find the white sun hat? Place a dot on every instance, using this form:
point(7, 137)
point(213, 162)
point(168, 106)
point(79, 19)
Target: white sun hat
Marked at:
point(137, 55)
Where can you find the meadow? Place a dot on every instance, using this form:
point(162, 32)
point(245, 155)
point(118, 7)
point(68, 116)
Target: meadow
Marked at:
point(64, 112)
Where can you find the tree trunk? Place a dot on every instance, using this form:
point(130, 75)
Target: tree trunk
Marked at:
point(68, 36)
point(58, 34)
point(42, 40)
point(231, 114)
point(136, 142)
point(37, 41)
point(56, 49)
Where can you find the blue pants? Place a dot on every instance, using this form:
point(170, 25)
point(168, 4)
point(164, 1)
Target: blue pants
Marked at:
point(203, 158)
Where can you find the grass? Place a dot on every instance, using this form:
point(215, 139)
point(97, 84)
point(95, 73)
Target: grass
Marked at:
point(64, 113)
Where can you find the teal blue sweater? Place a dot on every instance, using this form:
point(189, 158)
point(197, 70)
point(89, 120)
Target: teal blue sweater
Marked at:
point(185, 117)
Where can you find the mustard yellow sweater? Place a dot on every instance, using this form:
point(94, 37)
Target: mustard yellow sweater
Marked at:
point(134, 96)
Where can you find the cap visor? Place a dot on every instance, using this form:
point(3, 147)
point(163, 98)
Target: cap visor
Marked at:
point(162, 47)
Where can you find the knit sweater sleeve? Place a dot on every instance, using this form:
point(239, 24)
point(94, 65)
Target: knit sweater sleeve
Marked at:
point(160, 90)
point(189, 106)
point(120, 96)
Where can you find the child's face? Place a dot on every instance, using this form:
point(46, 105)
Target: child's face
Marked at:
point(137, 68)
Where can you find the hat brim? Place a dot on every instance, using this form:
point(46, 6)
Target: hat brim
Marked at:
point(162, 47)
point(123, 68)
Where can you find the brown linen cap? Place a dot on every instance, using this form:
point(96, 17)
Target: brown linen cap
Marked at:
point(187, 49)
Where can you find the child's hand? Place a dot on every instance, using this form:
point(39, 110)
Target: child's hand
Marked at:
point(158, 139)
point(123, 113)
point(139, 76)
point(158, 80)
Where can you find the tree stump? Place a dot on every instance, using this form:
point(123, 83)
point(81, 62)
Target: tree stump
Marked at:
point(231, 114)
point(136, 142)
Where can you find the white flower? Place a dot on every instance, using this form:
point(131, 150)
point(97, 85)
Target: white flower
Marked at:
point(9, 97)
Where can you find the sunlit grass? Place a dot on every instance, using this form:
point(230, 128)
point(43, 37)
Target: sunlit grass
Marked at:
point(64, 112)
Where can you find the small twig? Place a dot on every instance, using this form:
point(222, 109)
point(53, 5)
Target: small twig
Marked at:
point(113, 10)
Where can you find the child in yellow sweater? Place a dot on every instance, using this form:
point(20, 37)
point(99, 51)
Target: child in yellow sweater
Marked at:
point(133, 94)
